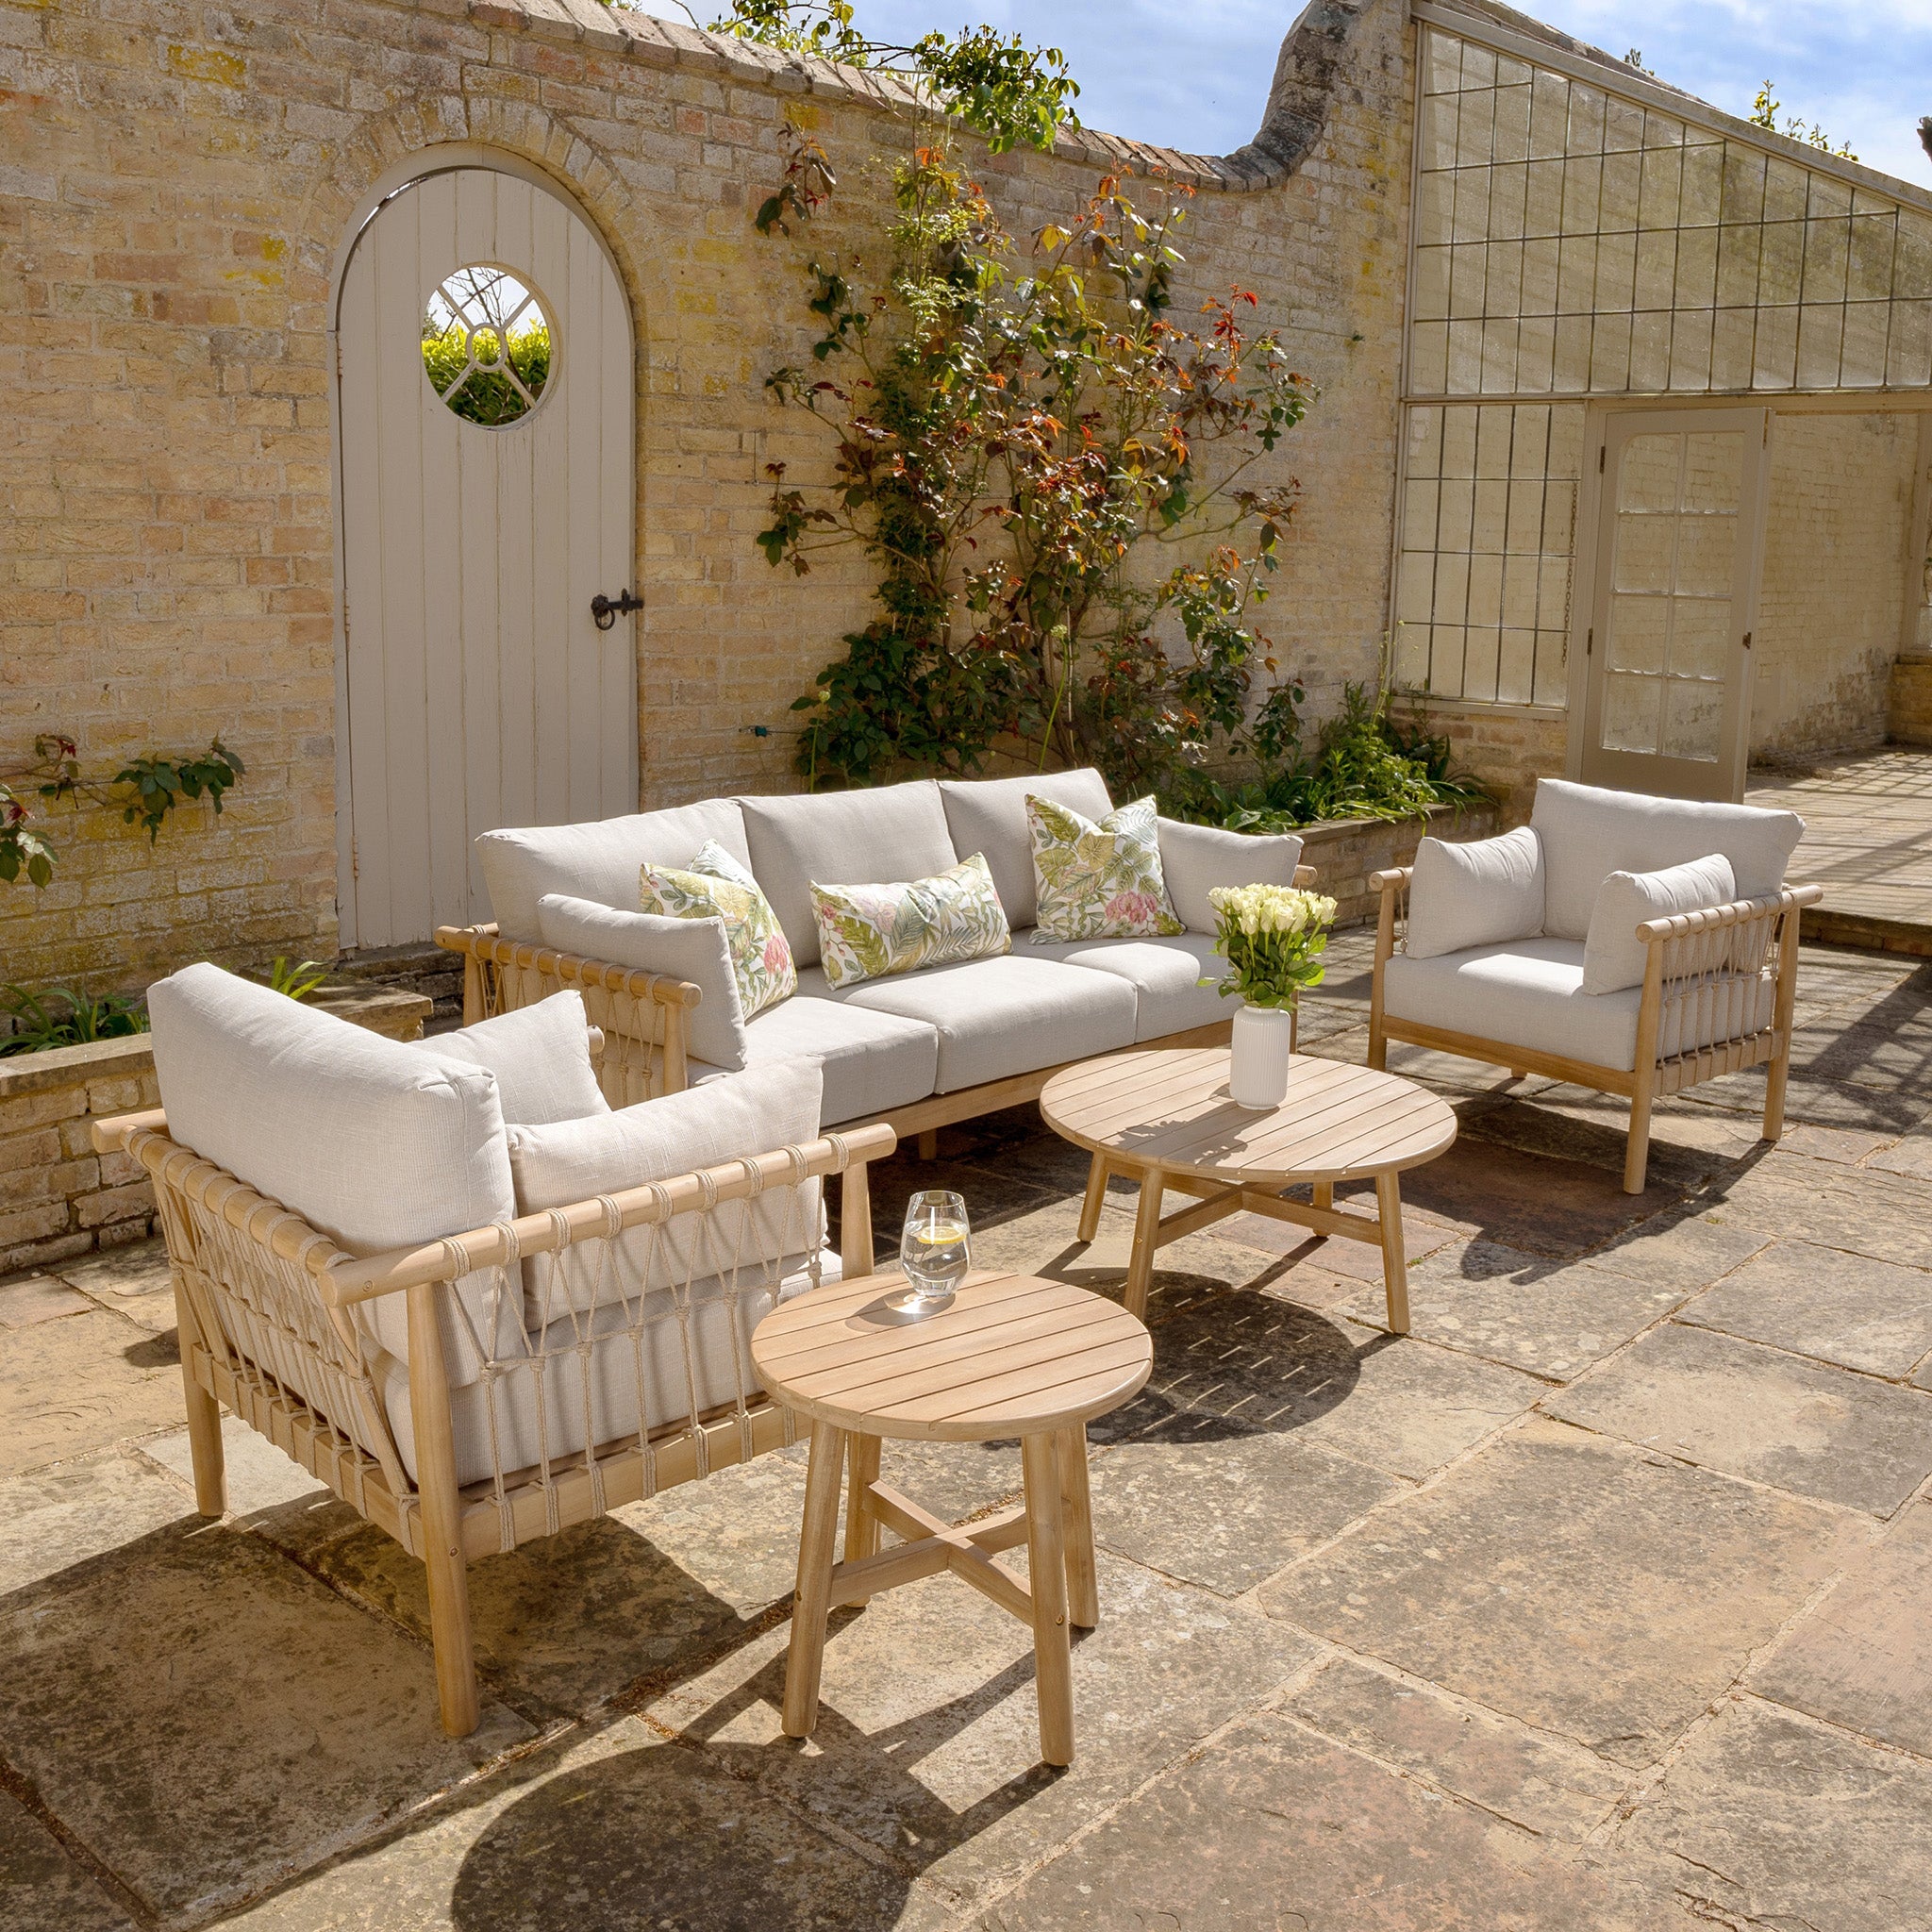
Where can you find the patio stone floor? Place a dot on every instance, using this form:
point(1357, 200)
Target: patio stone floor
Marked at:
point(1602, 1601)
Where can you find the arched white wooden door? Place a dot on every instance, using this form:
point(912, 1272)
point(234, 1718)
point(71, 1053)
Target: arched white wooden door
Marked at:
point(480, 690)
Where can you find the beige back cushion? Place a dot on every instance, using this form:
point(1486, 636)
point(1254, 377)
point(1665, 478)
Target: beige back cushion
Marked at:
point(597, 861)
point(1589, 833)
point(1194, 860)
point(989, 815)
point(872, 838)
point(377, 1143)
point(541, 1056)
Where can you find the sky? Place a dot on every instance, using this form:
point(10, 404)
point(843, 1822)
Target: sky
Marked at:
point(1194, 74)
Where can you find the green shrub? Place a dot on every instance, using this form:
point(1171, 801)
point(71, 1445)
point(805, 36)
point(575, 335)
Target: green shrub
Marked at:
point(39, 1024)
point(488, 395)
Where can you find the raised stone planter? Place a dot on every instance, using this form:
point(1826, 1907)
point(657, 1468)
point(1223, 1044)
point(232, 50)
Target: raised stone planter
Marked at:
point(57, 1196)
point(1345, 852)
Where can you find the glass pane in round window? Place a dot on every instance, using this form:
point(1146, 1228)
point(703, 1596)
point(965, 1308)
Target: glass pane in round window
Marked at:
point(487, 345)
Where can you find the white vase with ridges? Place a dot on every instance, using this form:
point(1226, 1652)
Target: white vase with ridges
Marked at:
point(1258, 1055)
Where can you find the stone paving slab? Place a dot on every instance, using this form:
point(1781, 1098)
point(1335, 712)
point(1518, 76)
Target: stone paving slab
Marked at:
point(1783, 1824)
point(1252, 1362)
point(1210, 1512)
point(35, 1298)
point(1759, 1413)
point(1862, 1656)
point(1822, 1302)
point(58, 1517)
point(206, 1717)
point(927, 1746)
point(1543, 1783)
point(1685, 1249)
point(41, 1887)
point(79, 1383)
point(611, 1831)
point(1863, 1211)
point(1573, 1582)
point(1552, 1319)
point(1274, 1828)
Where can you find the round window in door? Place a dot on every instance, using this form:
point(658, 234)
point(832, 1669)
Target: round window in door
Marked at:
point(488, 348)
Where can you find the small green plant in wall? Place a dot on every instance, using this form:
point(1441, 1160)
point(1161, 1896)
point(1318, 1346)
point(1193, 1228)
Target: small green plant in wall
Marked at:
point(144, 790)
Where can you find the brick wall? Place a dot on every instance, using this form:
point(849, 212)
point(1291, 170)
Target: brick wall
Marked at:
point(179, 188)
point(1505, 747)
point(1829, 607)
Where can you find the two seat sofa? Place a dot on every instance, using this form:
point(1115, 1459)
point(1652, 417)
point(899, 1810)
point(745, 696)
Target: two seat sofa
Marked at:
point(917, 1050)
point(1496, 950)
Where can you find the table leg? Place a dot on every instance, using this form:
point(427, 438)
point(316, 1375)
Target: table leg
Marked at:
point(1394, 1261)
point(1046, 1556)
point(862, 1471)
point(1324, 1193)
point(1096, 1198)
point(1083, 1585)
point(1146, 1244)
point(813, 1598)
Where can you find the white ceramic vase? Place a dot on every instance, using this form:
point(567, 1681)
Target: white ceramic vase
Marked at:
point(1258, 1055)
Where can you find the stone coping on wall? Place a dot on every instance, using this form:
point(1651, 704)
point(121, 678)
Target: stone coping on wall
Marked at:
point(1295, 116)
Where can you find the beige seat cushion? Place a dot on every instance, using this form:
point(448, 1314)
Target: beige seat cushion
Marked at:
point(871, 1061)
point(1164, 973)
point(989, 815)
point(841, 839)
point(1010, 1015)
point(624, 1379)
point(1530, 994)
point(597, 861)
point(1589, 833)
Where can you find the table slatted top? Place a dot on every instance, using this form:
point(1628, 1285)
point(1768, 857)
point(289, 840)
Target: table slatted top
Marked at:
point(1011, 1356)
point(1170, 1110)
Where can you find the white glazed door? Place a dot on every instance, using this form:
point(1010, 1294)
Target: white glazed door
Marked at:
point(1667, 628)
point(480, 690)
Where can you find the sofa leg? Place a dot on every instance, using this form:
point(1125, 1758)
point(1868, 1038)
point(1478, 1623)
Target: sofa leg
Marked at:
point(1094, 1200)
point(1636, 1149)
point(928, 1143)
point(1778, 1077)
point(205, 1447)
point(450, 1638)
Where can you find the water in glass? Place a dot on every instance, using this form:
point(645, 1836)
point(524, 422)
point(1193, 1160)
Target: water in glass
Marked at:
point(935, 1250)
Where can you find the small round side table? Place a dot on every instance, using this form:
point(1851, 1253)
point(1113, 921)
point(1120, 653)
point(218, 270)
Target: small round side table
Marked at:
point(1011, 1354)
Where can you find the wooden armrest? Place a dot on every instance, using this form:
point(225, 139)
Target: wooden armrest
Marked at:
point(110, 1136)
point(346, 1280)
point(481, 943)
point(1738, 912)
point(1392, 880)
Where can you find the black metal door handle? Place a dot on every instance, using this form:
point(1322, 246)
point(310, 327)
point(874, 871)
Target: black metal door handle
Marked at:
point(604, 611)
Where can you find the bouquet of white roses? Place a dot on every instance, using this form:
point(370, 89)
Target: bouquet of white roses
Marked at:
point(1273, 938)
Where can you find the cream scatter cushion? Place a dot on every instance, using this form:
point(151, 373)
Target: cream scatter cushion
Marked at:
point(1196, 858)
point(541, 1056)
point(1613, 956)
point(717, 885)
point(868, 932)
point(725, 1120)
point(695, 950)
point(1475, 894)
point(1099, 881)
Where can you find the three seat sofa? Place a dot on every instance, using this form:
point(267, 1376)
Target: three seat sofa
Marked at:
point(917, 1050)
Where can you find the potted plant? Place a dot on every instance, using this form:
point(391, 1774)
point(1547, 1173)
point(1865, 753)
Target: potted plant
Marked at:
point(1272, 939)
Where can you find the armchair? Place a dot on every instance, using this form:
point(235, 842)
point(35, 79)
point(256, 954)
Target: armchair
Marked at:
point(1718, 983)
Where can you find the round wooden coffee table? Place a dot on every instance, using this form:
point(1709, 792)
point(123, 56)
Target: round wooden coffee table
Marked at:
point(1009, 1356)
point(1165, 1118)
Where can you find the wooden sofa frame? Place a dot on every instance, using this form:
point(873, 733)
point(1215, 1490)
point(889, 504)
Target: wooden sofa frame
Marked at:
point(1689, 974)
point(645, 1018)
point(254, 1284)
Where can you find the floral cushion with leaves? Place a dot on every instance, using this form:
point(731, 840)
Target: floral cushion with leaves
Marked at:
point(867, 932)
point(717, 885)
point(1099, 881)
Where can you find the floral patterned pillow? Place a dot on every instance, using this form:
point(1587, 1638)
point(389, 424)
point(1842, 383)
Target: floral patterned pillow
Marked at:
point(717, 885)
point(866, 932)
point(1098, 882)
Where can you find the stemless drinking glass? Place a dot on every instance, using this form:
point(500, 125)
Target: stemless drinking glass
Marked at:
point(935, 1250)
